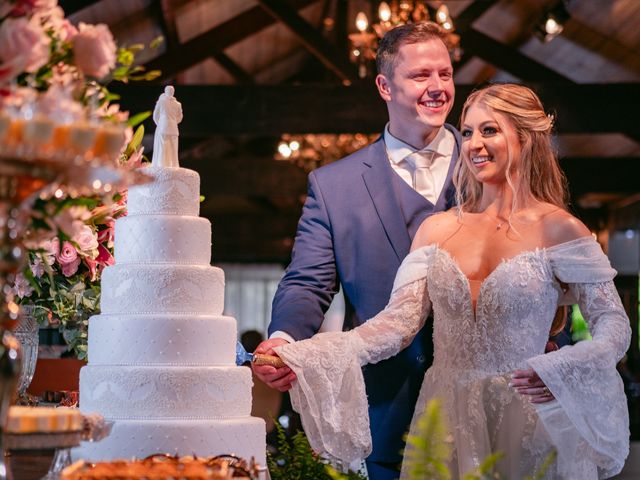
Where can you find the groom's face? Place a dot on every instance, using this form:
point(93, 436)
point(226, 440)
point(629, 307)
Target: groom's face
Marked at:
point(419, 91)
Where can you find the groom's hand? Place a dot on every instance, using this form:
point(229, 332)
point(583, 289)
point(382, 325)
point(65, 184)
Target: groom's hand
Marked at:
point(278, 378)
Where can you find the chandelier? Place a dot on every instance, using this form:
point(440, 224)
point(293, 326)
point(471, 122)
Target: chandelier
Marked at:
point(313, 150)
point(398, 12)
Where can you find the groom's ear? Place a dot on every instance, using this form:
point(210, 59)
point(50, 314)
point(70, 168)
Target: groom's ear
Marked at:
point(383, 87)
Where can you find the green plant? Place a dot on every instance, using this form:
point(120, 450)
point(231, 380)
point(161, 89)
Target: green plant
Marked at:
point(295, 460)
point(431, 449)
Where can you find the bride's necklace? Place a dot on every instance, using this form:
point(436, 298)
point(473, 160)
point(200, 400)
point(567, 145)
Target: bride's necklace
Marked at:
point(497, 220)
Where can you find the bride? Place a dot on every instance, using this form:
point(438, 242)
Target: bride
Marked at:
point(494, 272)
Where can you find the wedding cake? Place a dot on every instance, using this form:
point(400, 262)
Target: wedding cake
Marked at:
point(161, 354)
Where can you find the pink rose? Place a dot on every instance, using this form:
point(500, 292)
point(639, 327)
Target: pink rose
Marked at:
point(86, 240)
point(24, 47)
point(94, 50)
point(68, 259)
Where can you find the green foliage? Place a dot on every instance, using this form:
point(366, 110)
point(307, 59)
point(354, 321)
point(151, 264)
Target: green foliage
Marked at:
point(295, 460)
point(427, 459)
point(579, 327)
point(429, 446)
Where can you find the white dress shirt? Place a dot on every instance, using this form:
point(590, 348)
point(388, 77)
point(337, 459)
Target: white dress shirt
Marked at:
point(442, 145)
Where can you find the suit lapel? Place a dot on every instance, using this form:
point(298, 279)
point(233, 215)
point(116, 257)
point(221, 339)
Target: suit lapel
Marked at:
point(377, 179)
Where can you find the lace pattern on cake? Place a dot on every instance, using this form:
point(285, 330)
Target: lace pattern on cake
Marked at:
point(134, 288)
point(162, 340)
point(174, 191)
point(162, 239)
point(154, 392)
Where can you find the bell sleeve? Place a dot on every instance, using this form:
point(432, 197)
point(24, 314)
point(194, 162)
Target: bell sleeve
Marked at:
point(329, 392)
point(588, 423)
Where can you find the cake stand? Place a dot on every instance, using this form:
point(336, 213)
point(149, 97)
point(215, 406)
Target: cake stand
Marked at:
point(22, 179)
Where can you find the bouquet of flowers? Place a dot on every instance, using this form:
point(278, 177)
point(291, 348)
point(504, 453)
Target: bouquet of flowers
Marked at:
point(51, 68)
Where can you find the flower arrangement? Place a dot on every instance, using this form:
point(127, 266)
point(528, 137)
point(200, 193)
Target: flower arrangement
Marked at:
point(54, 70)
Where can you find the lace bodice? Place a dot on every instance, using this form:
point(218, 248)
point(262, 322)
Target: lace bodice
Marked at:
point(507, 330)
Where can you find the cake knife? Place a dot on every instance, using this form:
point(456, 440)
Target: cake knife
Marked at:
point(243, 356)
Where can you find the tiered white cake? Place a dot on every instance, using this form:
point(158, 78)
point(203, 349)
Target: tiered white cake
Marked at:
point(161, 354)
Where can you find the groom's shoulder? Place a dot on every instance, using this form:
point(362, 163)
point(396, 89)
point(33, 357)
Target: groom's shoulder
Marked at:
point(352, 163)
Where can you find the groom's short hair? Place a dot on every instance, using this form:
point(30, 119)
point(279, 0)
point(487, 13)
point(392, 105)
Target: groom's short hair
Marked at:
point(403, 35)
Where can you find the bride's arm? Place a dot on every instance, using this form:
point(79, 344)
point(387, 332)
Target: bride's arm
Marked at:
point(329, 392)
point(590, 420)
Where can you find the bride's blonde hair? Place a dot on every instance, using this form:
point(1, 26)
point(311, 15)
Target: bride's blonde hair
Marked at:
point(539, 176)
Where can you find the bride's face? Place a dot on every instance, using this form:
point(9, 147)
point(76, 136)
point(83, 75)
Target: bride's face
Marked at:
point(488, 141)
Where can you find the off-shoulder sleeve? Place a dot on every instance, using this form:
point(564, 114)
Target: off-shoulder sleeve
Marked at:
point(589, 422)
point(329, 392)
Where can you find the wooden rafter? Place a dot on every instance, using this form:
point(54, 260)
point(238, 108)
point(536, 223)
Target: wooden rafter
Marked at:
point(235, 70)
point(165, 13)
point(312, 39)
point(509, 59)
point(273, 110)
point(217, 39)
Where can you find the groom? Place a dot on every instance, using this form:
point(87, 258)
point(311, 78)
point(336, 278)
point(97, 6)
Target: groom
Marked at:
point(357, 225)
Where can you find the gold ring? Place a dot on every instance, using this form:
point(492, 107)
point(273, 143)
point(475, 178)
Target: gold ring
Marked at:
point(545, 391)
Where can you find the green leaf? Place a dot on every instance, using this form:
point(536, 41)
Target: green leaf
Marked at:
point(138, 118)
point(156, 42)
point(428, 449)
point(152, 75)
point(120, 72)
point(135, 142)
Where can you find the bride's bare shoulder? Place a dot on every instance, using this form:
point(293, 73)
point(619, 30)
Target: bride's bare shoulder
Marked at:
point(559, 226)
point(436, 228)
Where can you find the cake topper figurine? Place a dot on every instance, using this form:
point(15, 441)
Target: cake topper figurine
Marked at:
point(167, 115)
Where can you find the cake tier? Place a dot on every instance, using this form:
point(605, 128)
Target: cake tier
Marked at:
point(243, 437)
point(163, 238)
point(174, 191)
point(162, 340)
point(162, 288)
point(166, 392)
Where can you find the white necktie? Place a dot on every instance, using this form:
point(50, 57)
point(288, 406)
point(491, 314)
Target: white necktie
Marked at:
point(423, 179)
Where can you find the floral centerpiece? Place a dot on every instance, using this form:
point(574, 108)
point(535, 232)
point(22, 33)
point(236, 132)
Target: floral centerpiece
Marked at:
point(57, 72)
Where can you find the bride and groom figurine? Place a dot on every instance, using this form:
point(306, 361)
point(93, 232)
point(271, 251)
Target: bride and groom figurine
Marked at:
point(493, 271)
point(167, 114)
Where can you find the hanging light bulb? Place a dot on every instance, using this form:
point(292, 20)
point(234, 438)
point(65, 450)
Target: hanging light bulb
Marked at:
point(361, 22)
point(384, 12)
point(442, 14)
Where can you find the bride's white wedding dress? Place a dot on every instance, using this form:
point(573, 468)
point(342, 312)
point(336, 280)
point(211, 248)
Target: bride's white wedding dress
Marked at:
point(474, 355)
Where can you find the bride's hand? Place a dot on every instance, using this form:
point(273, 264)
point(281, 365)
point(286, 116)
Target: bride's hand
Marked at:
point(278, 378)
point(527, 382)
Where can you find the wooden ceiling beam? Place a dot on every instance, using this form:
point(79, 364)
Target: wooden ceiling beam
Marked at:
point(236, 71)
point(165, 13)
point(464, 20)
point(215, 40)
point(273, 110)
point(509, 59)
point(312, 39)
point(463, 23)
